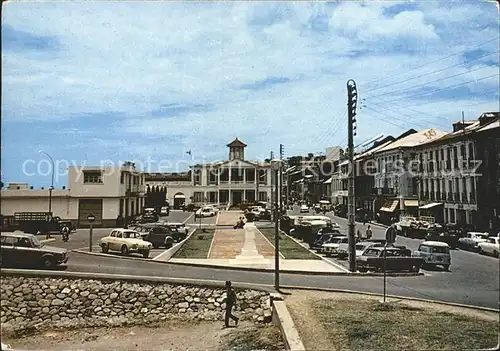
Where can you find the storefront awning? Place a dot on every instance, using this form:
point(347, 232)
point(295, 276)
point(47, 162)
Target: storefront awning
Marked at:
point(411, 203)
point(328, 181)
point(390, 207)
point(431, 205)
point(179, 196)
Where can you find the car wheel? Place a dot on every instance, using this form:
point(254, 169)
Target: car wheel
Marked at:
point(104, 248)
point(446, 267)
point(48, 262)
point(480, 250)
point(414, 269)
point(495, 253)
point(362, 270)
point(145, 254)
point(124, 250)
point(156, 246)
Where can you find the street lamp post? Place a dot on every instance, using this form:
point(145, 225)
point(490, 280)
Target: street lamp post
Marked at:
point(52, 182)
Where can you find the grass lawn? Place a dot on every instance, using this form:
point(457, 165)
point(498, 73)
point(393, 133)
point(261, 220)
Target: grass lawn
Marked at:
point(197, 245)
point(369, 325)
point(289, 248)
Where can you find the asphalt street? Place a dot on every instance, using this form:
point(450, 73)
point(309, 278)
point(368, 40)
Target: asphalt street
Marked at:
point(473, 280)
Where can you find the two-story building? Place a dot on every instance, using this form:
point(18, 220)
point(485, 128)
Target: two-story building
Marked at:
point(228, 182)
point(394, 179)
point(105, 192)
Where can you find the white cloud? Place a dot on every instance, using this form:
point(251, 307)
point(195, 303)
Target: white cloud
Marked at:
point(134, 57)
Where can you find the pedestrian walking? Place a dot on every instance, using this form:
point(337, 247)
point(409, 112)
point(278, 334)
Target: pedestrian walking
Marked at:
point(369, 232)
point(230, 302)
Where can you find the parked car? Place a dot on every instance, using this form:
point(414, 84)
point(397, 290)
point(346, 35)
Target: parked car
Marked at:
point(164, 211)
point(322, 239)
point(490, 247)
point(472, 240)
point(160, 235)
point(213, 207)
point(126, 241)
point(22, 249)
point(204, 212)
point(363, 245)
point(434, 253)
point(304, 209)
point(396, 260)
point(331, 247)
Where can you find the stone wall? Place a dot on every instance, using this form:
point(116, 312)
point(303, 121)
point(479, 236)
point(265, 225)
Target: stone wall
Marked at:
point(40, 302)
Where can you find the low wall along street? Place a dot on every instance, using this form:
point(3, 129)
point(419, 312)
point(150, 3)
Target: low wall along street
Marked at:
point(31, 303)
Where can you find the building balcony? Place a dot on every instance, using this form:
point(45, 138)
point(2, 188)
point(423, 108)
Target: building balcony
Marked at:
point(135, 190)
point(464, 197)
point(450, 197)
point(472, 197)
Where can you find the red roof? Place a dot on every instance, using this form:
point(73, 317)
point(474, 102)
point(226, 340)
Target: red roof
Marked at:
point(236, 143)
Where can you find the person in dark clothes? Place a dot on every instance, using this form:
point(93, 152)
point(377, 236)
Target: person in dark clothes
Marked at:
point(230, 302)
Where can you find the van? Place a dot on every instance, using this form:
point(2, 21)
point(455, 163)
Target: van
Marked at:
point(434, 253)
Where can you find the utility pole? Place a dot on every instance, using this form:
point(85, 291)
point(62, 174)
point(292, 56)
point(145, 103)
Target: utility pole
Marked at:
point(273, 195)
point(276, 233)
point(282, 151)
point(352, 99)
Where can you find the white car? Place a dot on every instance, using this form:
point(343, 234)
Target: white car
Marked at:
point(362, 246)
point(213, 207)
point(490, 247)
point(164, 211)
point(304, 209)
point(205, 212)
point(331, 248)
point(126, 241)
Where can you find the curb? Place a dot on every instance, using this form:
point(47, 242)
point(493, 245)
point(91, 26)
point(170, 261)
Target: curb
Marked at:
point(135, 278)
point(453, 304)
point(271, 270)
point(173, 250)
point(281, 317)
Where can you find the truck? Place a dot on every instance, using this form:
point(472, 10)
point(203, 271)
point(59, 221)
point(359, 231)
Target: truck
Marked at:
point(414, 227)
point(43, 222)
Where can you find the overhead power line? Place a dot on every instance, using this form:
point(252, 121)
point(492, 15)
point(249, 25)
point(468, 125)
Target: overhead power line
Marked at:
point(434, 81)
point(441, 101)
point(431, 62)
point(433, 72)
point(436, 90)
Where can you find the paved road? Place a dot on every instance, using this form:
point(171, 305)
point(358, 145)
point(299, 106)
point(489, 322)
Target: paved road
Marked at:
point(472, 277)
point(421, 287)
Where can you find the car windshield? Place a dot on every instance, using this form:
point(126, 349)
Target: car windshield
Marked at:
point(360, 247)
point(36, 242)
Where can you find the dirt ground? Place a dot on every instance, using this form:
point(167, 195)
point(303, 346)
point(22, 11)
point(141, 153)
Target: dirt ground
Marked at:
point(336, 321)
point(168, 336)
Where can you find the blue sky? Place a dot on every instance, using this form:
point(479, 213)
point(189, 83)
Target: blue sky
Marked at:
point(91, 81)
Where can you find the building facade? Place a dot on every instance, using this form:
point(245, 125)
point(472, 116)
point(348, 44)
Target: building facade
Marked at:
point(228, 182)
point(105, 192)
point(395, 182)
